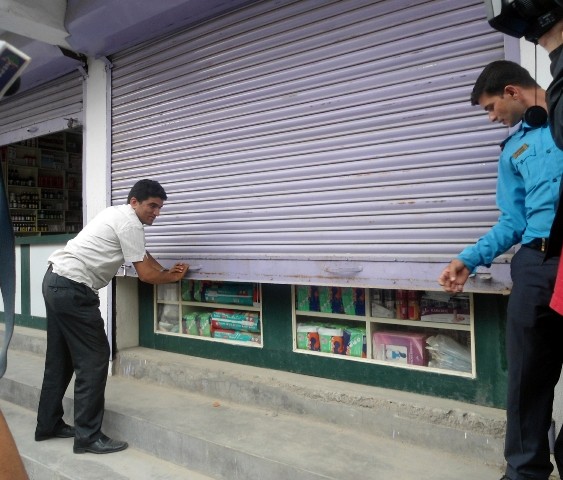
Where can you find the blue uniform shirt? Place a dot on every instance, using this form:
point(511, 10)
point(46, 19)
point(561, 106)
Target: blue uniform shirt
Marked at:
point(529, 174)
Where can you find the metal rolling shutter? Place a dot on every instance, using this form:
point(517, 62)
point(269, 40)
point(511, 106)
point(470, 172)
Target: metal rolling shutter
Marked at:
point(311, 141)
point(42, 110)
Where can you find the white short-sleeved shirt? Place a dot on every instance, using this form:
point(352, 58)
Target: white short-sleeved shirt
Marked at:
point(93, 257)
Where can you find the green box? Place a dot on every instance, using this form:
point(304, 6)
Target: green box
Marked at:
point(303, 294)
point(325, 298)
point(191, 323)
point(355, 341)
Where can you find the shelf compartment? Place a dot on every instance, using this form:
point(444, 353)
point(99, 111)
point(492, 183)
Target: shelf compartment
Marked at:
point(463, 333)
point(211, 321)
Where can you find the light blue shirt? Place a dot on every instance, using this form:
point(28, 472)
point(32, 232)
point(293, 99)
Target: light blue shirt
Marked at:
point(529, 174)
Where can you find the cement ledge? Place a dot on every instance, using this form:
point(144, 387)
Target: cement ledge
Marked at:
point(299, 393)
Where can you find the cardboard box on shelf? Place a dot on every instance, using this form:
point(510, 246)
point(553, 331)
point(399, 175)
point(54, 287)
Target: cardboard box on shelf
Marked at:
point(444, 307)
point(230, 293)
point(400, 347)
point(332, 339)
point(236, 335)
point(355, 342)
point(303, 294)
point(308, 336)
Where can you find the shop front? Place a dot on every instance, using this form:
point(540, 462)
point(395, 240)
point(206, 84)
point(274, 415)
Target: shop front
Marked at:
point(41, 160)
point(323, 163)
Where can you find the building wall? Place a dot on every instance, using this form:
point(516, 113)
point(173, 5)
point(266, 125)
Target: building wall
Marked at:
point(134, 312)
point(488, 388)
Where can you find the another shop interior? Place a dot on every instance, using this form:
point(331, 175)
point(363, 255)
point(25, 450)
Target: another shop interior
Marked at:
point(43, 182)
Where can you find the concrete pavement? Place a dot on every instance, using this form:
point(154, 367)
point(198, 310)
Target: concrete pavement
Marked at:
point(192, 418)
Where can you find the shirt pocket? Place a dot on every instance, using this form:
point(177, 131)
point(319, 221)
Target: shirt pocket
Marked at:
point(526, 163)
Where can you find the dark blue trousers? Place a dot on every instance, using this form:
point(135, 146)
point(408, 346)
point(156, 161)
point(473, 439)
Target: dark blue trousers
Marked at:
point(534, 348)
point(76, 343)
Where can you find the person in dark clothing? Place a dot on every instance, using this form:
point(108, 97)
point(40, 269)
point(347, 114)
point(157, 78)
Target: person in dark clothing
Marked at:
point(76, 339)
point(529, 173)
point(552, 42)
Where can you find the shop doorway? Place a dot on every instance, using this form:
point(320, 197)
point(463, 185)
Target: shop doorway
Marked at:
point(43, 177)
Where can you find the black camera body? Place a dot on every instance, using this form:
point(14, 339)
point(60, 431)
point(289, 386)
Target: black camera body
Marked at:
point(524, 18)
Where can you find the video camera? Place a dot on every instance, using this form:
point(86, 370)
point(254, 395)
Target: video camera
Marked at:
point(524, 18)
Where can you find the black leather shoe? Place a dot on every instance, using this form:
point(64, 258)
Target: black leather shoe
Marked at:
point(102, 445)
point(66, 431)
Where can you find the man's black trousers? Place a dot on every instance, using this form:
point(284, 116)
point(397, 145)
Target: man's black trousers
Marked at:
point(534, 349)
point(76, 343)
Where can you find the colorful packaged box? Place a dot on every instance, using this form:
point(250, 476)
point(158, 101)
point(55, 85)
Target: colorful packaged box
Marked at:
point(325, 299)
point(355, 341)
point(238, 336)
point(303, 294)
point(190, 323)
point(337, 300)
point(312, 298)
point(192, 290)
point(186, 289)
point(197, 323)
point(204, 324)
point(231, 293)
point(400, 347)
point(359, 301)
point(235, 320)
point(308, 336)
point(332, 340)
point(443, 307)
point(347, 300)
point(234, 315)
point(251, 324)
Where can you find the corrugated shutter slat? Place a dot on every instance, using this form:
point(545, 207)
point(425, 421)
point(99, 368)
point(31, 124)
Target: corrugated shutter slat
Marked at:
point(324, 132)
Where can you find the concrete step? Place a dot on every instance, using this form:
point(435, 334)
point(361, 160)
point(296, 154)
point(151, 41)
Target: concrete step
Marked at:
point(54, 459)
point(447, 425)
point(230, 421)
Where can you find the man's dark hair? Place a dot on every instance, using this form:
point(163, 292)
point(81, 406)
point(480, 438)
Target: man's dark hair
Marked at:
point(497, 75)
point(144, 189)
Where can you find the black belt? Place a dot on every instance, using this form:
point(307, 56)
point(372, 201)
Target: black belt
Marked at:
point(537, 244)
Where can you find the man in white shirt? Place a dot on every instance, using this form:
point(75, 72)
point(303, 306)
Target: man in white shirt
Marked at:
point(76, 339)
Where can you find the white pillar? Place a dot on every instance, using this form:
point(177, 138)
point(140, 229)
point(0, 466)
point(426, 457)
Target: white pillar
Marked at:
point(527, 60)
point(97, 154)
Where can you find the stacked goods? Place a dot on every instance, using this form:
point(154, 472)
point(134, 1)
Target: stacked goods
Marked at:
point(304, 294)
point(449, 354)
point(347, 300)
point(197, 323)
point(233, 320)
point(308, 336)
point(444, 307)
point(355, 341)
point(192, 290)
point(232, 293)
point(219, 292)
point(236, 325)
point(343, 300)
point(332, 339)
point(312, 298)
point(239, 336)
point(399, 304)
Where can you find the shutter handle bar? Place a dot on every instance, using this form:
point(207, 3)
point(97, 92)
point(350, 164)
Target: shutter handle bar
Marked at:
point(344, 271)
